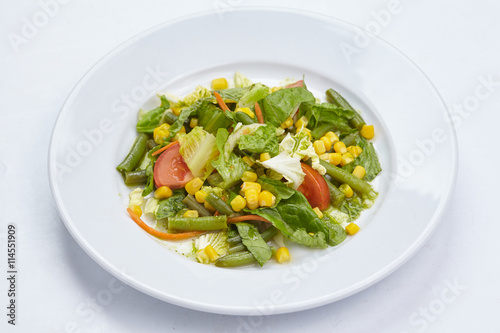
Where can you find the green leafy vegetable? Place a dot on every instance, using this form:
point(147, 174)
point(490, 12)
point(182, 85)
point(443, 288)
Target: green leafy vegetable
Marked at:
point(211, 118)
point(300, 145)
point(252, 239)
point(281, 104)
point(352, 207)
point(169, 207)
point(151, 183)
point(149, 120)
point(230, 168)
point(233, 94)
point(200, 104)
point(241, 80)
point(367, 159)
point(288, 166)
point(255, 94)
point(327, 113)
point(264, 139)
point(198, 150)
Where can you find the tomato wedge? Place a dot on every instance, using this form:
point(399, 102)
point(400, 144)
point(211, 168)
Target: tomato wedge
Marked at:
point(171, 170)
point(314, 188)
point(299, 83)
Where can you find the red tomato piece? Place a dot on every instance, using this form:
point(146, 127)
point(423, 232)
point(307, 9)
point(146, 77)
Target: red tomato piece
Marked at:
point(171, 170)
point(314, 188)
point(299, 83)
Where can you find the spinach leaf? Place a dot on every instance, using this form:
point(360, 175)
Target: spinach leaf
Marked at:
point(149, 120)
point(280, 105)
point(211, 118)
point(169, 207)
point(263, 140)
point(294, 217)
point(230, 169)
point(368, 159)
point(252, 239)
point(326, 113)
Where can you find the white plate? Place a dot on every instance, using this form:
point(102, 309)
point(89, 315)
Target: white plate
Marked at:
point(414, 138)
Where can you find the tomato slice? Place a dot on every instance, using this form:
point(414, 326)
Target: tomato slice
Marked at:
point(314, 188)
point(171, 170)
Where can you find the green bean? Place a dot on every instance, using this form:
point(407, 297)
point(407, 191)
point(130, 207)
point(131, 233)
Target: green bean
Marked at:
point(151, 144)
point(234, 240)
point(336, 195)
point(169, 118)
point(244, 118)
point(266, 236)
point(205, 223)
point(321, 130)
point(136, 177)
point(235, 259)
point(232, 232)
point(215, 179)
point(347, 178)
point(135, 154)
point(337, 99)
point(220, 205)
point(191, 202)
point(350, 139)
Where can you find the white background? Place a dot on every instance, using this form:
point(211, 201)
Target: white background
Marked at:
point(454, 42)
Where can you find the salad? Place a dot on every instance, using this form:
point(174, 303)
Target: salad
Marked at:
point(233, 173)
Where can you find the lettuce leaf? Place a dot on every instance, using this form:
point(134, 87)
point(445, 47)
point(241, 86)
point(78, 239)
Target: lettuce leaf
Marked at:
point(367, 159)
point(211, 118)
point(200, 104)
point(327, 113)
point(281, 104)
point(233, 94)
point(169, 207)
point(241, 81)
point(254, 242)
point(198, 150)
point(229, 166)
point(264, 139)
point(288, 166)
point(148, 120)
point(300, 145)
point(257, 92)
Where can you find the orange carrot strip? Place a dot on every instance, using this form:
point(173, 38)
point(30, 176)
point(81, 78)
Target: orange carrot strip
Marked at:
point(159, 234)
point(161, 150)
point(258, 113)
point(221, 102)
point(247, 218)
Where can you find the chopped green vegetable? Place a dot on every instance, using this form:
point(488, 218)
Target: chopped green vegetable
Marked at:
point(281, 104)
point(198, 150)
point(253, 241)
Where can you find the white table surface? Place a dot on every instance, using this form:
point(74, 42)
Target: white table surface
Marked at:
point(451, 285)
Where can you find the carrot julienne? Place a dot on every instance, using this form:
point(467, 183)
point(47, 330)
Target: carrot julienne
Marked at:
point(161, 150)
point(258, 113)
point(221, 102)
point(159, 234)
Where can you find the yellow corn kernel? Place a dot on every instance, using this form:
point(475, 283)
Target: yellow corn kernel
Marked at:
point(367, 132)
point(176, 111)
point(354, 150)
point(249, 176)
point(211, 253)
point(137, 210)
point(182, 130)
point(161, 133)
point(352, 228)
point(282, 255)
point(305, 130)
point(301, 123)
point(347, 190)
point(247, 111)
point(325, 157)
point(200, 196)
point(266, 199)
point(249, 185)
point(327, 142)
point(163, 192)
point(208, 206)
point(273, 89)
point(339, 147)
point(252, 197)
point(359, 172)
point(218, 84)
point(346, 159)
point(238, 203)
point(335, 158)
point(191, 213)
point(265, 157)
point(318, 212)
point(332, 136)
point(194, 185)
point(288, 122)
point(319, 147)
point(248, 160)
point(193, 122)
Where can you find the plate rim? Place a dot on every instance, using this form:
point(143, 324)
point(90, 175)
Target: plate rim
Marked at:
point(249, 310)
